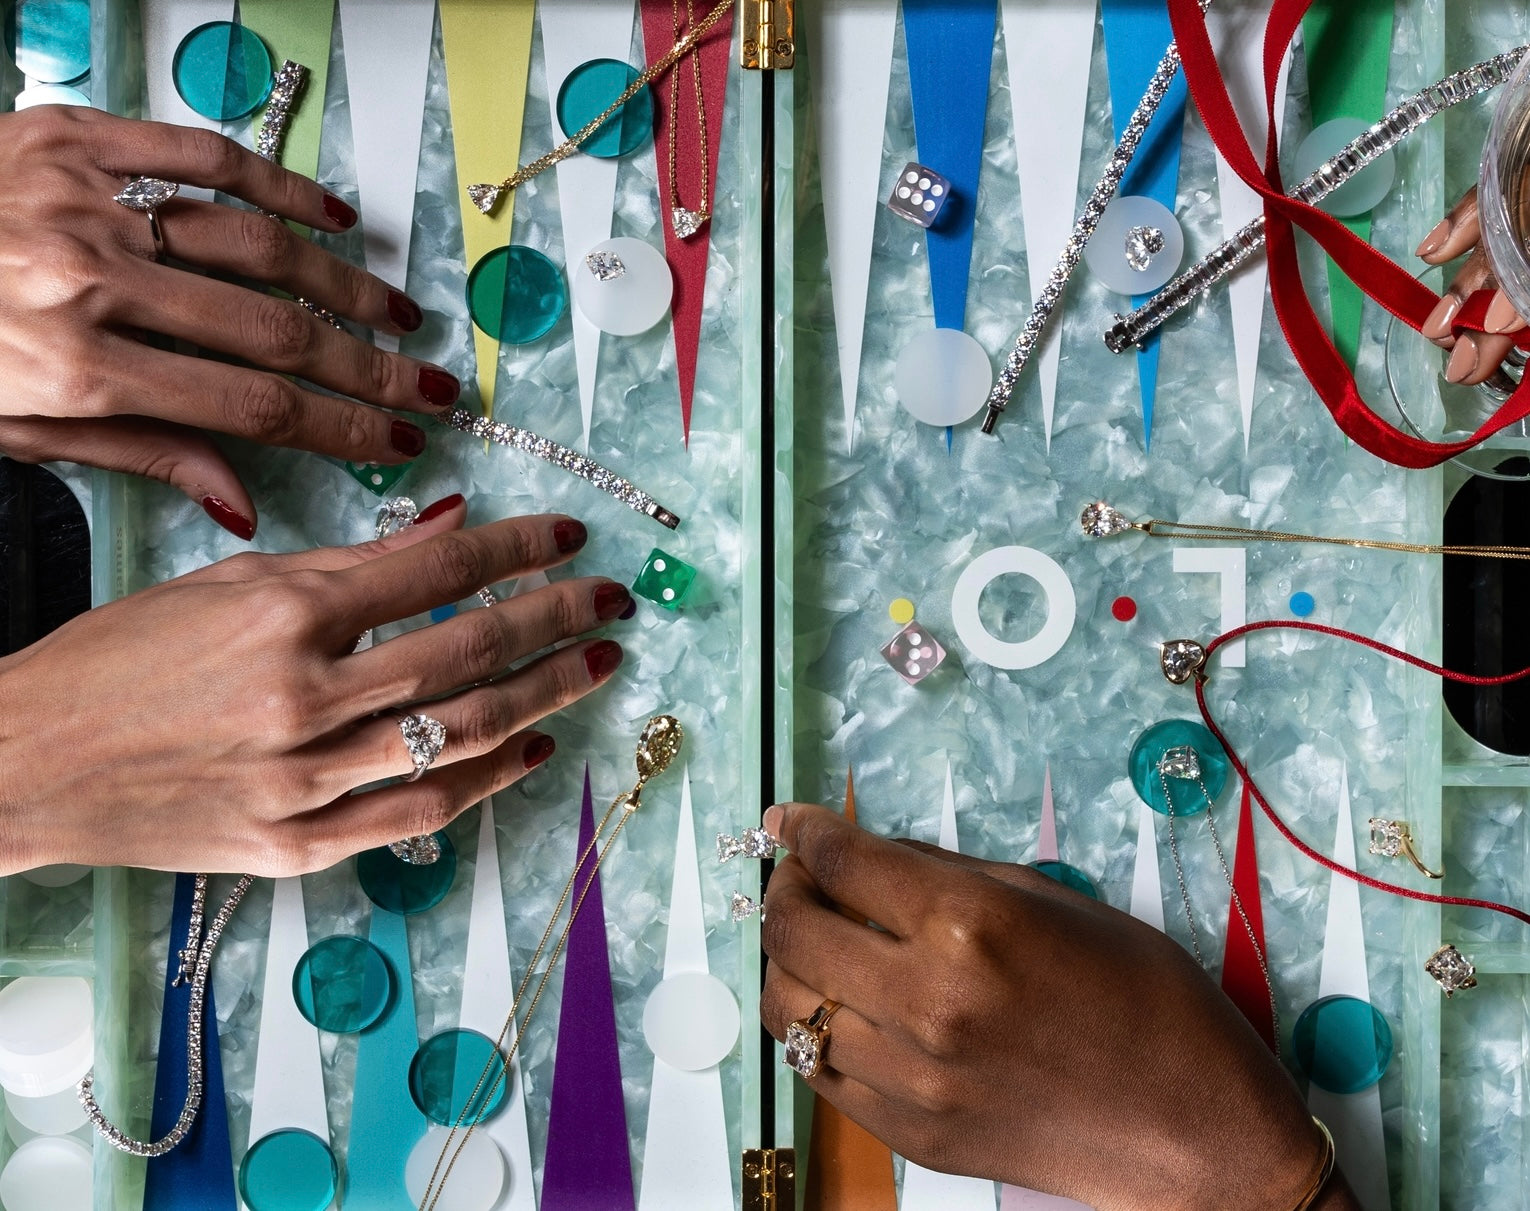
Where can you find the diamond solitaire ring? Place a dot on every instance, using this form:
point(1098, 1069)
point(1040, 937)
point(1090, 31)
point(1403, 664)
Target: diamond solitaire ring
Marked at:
point(146, 195)
point(807, 1039)
point(424, 737)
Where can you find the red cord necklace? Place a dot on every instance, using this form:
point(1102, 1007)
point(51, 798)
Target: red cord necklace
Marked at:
point(1185, 660)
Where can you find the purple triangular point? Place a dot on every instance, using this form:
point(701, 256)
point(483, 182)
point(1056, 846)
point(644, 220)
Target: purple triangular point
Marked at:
point(589, 1167)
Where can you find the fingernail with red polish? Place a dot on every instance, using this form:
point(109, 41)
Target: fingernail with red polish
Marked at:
point(438, 388)
point(407, 439)
point(539, 750)
point(602, 659)
point(630, 611)
point(612, 601)
point(339, 212)
point(235, 522)
point(570, 536)
point(445, 505)
point(1437, 236)
point(404, 311)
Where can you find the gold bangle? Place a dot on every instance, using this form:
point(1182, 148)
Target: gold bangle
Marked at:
point(1324, 1172)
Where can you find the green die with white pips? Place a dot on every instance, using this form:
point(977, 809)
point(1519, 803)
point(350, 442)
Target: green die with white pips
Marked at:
point(664, 580)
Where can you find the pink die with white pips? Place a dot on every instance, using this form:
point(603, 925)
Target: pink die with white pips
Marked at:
point(914, 653)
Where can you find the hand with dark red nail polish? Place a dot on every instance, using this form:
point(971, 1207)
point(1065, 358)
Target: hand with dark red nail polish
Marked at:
point(404, 311)
point(245, 689)
point(235, 522)
point(340, 213)
point(438, 388)
point(570, 536)
point(408, 440)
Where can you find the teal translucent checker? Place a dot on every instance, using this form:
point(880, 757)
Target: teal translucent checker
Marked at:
point(288, 1170)
point(222, 70)
point(1148, 751)
point(342, 984)
point(1069, 876)
point(403, 887)
point(591, 89)
point(1342, 1044)
point(447, 1078)
point(516, 294)
point(49, 40)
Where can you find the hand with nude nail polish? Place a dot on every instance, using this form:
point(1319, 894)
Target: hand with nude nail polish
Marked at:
point(232, 720)
point(85, 307)
point(1474, 357)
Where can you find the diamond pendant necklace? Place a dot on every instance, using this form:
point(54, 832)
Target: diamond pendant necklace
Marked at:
point(688, 222)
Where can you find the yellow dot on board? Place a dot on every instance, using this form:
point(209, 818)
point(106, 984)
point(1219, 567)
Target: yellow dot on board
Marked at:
point(902, 611)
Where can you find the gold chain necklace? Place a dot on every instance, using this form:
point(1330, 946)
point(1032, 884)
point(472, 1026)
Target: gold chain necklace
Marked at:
point(486, 197)
point(688, 222)
point(1099, 520)
point(657, 748)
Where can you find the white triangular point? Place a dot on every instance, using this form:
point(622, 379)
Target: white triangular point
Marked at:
point(1237, 32)
point(487, 990)
point(1147, 882)
point(852, 64)
point(387, 61)
point(1016, 1198)
point(685, 1154)
point(1354, 1118)
point(1046, 843)
point(165, 23)
point(1047, 48)
point(925, 1189)
point(574, 31)
point(288, 1090)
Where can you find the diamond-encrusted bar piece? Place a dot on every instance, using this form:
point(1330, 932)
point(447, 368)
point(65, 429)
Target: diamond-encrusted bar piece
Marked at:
point(1452, 969)
point(571, 461)
point(688, 222)
point(286, 89)
point(1180, 762)
point(1182, 659)
point(144, 194)
point(1387, 837)
point(1100, 520)
point(485, 197)
point(1131, 330)
point(606, 266)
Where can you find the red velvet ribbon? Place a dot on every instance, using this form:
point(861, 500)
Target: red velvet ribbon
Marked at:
point(1284, 829)
point(1380, 278)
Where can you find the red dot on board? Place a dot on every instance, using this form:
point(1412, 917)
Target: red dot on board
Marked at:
point(1124, 609)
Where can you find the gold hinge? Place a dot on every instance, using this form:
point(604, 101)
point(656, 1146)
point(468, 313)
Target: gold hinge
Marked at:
point(769, 41)
point(770, 1179)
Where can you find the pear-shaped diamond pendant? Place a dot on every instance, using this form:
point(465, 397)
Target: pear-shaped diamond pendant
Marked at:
point(144, 194)
point(1101, 520)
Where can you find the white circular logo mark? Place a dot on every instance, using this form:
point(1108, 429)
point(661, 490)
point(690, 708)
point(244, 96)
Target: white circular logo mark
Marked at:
point(1062, 607)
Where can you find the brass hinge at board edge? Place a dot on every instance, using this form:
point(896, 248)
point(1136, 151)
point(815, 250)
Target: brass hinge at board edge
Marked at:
point(768, 37)
point(770, 1179)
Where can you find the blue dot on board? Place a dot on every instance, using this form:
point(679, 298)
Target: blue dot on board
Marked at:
point(1149, 749)
point(516, 294)
point(288, 1170)
point(1069, 876)
point(445, 1075)
point(404, 887)
point(49, 40)
point(1342, 1044)
point(1302, 604)
point(342, 984)
point(222, 70)
point(591, 89)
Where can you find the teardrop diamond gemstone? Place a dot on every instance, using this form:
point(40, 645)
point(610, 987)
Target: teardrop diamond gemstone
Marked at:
point(485, 197)
point(1142, 245)
point(144, 194)
point(1101, 521)
point(1181, 660)
point(688, 222)
point(423, 850)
